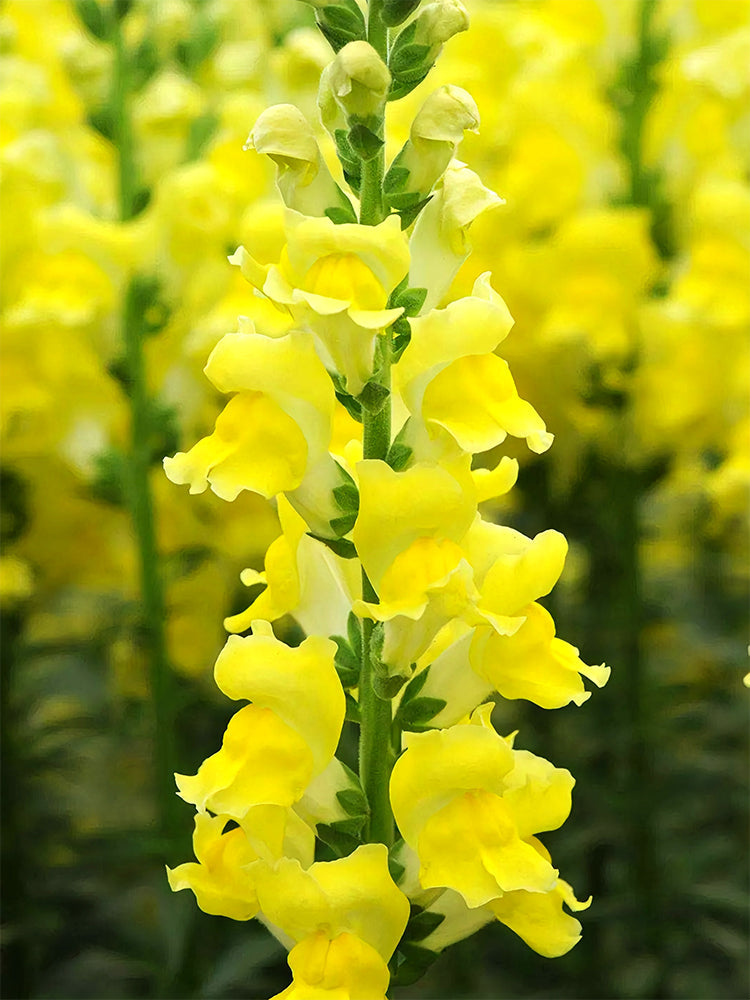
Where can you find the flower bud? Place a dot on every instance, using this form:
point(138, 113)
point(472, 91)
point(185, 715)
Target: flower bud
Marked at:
point(359, 81)
point(439, 21)
point(439, 243)
point(283, 133)
point(418, 45)
point(435, 134)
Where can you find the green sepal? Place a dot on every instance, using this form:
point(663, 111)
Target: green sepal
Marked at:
point(93, 18)
point(399, 456)
point(340, 546)
point(122, 8)
point(410, 963)
point(354, 631)
point(353, 802)
point(411, 300)
point(353, 713)
point(346, 497)
point(341, 841)
point(395, 867)
point(387, 687)
point(395, 180)
point(416, 716)
point(344, 524)
point(401, 337)
point(365, 143)
point(340, 215)
point(395, 12)
point(409, 214)
point(350, 162)
point(421, 924)
point(373, 396)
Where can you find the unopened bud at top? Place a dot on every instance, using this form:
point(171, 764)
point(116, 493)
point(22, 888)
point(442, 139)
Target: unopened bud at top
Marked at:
point(439, 21)
point(359, 80)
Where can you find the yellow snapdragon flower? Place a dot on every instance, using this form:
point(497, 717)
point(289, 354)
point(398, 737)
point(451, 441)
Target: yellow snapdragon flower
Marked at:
point(338, 280)
point(346, 918)
point(468, 803)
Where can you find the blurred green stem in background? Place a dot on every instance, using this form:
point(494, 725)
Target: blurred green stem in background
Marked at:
point(139, 461)
point(622, 605)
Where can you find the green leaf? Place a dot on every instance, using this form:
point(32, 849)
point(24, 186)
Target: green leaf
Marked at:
point(143, 63)
point(422, 924)
point(394, 12)
point(395, 180)
point(400, 88)
point(395, 868)
point(410, 963)
point(364, 142)
point(340, 546)
point(416, 714)
point(354, 631)
point(411, 300)
point(373, 396)
point(353, 801)
point(93, 18)
point(103, 121)
point(110, 477)
point(346, 497)
point(341, 23)
point(346, 663)
point(415, 685)
point(352, 708)
point(408, 60)
point(350, 404)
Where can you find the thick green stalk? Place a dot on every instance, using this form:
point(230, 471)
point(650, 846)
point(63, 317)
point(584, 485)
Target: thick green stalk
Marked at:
point(138, 467)
point(375, 752)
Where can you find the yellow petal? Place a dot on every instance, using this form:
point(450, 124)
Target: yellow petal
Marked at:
point(261, 761)
point(533, 663)
point(299, 684)
point(342, 968)
point(255, 446)
point(472, 846)
point(355, 895)
point(476, 401)
point(538, 794)
point(439, 766)
point(397, 508)
point(539, 918)
point(220, 880)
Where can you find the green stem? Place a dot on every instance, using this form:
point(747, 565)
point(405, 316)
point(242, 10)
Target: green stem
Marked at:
point(139, 465)
point(375, 753)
